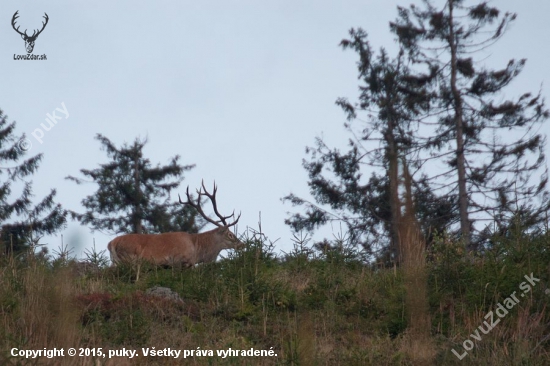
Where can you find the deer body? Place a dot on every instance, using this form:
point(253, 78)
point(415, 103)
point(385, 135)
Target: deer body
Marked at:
point(178, 248)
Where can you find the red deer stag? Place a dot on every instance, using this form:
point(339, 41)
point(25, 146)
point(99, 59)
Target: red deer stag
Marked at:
point(178, 248)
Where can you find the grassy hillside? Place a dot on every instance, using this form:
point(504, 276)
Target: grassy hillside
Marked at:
point(307, 308)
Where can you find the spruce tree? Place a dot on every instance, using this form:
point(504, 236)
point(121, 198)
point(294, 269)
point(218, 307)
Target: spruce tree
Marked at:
point(22, 222)
point(133, 196)
point(384, 124)
point(490, 143)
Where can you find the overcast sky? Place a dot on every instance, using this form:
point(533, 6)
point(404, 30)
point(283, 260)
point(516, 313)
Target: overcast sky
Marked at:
point(238, 88)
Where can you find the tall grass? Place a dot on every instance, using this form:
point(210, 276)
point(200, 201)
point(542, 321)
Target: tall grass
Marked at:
point(310, 307)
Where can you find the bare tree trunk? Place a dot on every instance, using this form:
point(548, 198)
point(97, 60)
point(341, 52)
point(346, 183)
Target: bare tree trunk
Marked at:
point(416, 279)
point(138, 228)
point(459, 125)
point(395, 206)
point(414, 263)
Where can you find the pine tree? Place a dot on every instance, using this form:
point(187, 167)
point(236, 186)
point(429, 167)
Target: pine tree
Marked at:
point(392, 102)
point(23, 223)
point(133, 196)
point(491, 146)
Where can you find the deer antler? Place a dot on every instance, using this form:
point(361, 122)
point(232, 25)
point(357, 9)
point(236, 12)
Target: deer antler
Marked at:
point(13, 19)
point(43, 26)
point(34, 34)
point(212, 196)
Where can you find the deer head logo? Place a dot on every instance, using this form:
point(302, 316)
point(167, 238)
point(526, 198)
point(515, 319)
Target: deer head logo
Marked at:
point(29, 40)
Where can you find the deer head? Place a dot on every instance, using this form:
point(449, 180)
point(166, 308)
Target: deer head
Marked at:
point(29, 40)
point(228, 238)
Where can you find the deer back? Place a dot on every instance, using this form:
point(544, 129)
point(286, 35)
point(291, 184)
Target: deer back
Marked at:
point(162, 249)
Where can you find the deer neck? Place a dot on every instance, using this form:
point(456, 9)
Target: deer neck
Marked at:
point(208, 246)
